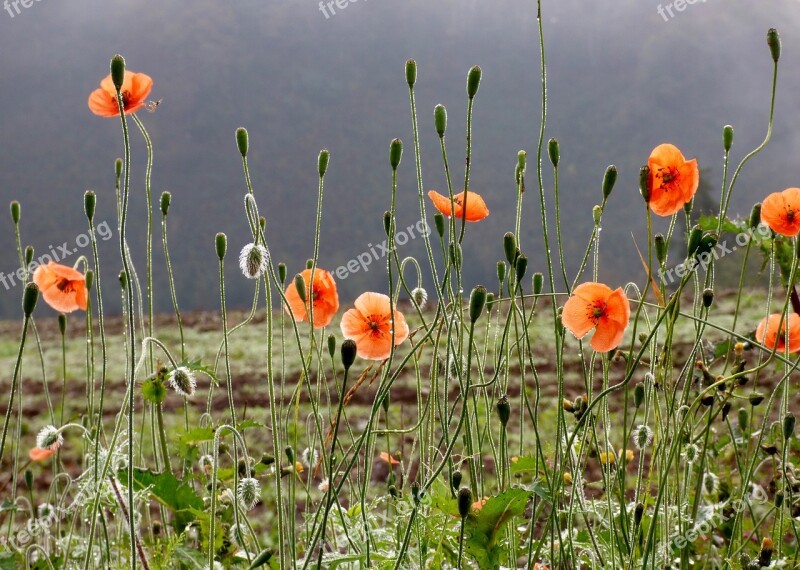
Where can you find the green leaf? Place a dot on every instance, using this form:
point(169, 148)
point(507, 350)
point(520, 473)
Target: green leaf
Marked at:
point(165, 488)
point(484, 526)
point(197, 435)
point(522, 464)
point(11, 561)
point(154, 391)
point(709, 223)
point(250, 424)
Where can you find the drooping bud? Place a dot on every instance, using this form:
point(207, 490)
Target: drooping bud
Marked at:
point(253, 260)
point(477, 301)
point(411, 72)
point(118, 71)
point(473, 81)
point(755, 398)
point(464, 502)
point(395, 153)
point(242, 141)
point(49, 438)
point(510, 247)
point(440, 119)
point(183, 381)
point(221, 243)
point(29, 299)
point(420, 297)
point(15, 212)
point(348, 353)
point(300, 285)
point(322, 162)
point(727, 137)
point(166, 200)
point(554, 152)
point(609, 180)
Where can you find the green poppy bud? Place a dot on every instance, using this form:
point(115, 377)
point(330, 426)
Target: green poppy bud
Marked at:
point(331, 345)
point(89, 279)
point(282, 272)
point(438, 221)
point(609, 180)
point(322, 162)
point(743, 418)
point(708, 297)
point(695, 236)
point(638, 513)
point(510, 247)
point(503, 410)
point(166, 200)
point(385, 402)
point(788, 425)
point(455, 480)
point(411, 72)
point(123, 280)
point(395, 153)
point(501, 271)
point(597, 215)
point(242, 141)
point(778, 499)
point(28, 255)
point(440, 119)
point(473, 81)
point(755, 398)
point(489, 301)
point(89, 204)
point(538, 283)
point(289, 451)
point(29, 299)
point(348, 353)
point(774, 42)
point(644, 183)
point(118, 168)
point(15, 212)
point(300, 285)
point(62, 323)
point(260, 560)
point(522, 160)
point(521, 265)
point(464, 502)
point(661, 248)
point(755, 216)
point(727, 137)
point(29, 479)
point(554, 152)
point(455, 255)
point(221, 243)
point(477, 301)
point(387, 223)
point(118, 71)
point(638, 395)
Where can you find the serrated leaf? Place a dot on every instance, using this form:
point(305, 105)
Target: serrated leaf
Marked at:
point(165, 488)
point(154, 391)
point(710, 223)
point(197, 435)
point(250, 424)
point(524, 464)
point(484, 526)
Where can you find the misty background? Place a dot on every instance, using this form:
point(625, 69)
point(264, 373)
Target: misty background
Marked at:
point(621, 81)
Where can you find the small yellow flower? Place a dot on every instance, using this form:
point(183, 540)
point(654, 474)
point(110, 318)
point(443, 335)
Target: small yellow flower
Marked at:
point(567, 478)
point(607, 458)
point(298, 467)
point(738, 348)
point(628, 455)
point(514, 459)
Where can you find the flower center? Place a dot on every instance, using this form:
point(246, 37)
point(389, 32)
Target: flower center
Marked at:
point(790, 215)
point(668, 176)
point(596, 311)
point(64, 285)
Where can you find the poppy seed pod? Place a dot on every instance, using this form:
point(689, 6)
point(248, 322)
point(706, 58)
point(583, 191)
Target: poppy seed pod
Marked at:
point(477, 301)
point(609, 180)
point(644, 183)
point(521, 266)
point(15, 212)
point(89, 204)
point(440, 119)
point(118, 71)
point(411, 72)
point(538, 283)
point(331, 345)
point(282, 272)
point(221, 244)
point(501, 271)
point(554, 152)
point(242, 140)
point(727, 137)
point(62, 323)
point(323, 161)
point(774, 43)
point(395, 153)
point(473, 81)
point(28, 255)
point(510, 247)
point(29, 299)
point(166, 200)
point(348, 351)
point(300, 285)
point(387, 222)
point(503, 410)
point(464, 502)
point(788, 425)
point(438, 221)
point(118, 168)
point(455, 480)
point(661, 248)
point(755, 216)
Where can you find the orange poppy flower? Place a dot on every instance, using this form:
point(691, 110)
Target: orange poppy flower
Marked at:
point(476, 207)
point(768, 335)
point(673, 179)
point(781, 212)
point(596, 306)
point(389, 459)
point(135, 89)
point(62, 287)
point(370, 325)
point(323, 293)
point(39, 454)
point(478, 505)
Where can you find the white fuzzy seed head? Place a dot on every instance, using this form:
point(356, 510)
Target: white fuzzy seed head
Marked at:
point(309, 458)
point(249, 492)
point(49, 438)
point(691, 452)
point(183, 381)
point(642, 437)
point(420, 297)
point(253, 260)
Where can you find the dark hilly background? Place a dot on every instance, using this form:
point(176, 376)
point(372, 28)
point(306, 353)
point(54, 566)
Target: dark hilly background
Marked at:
point(621, 80)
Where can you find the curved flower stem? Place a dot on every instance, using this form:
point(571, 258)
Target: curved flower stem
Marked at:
point(14, 384)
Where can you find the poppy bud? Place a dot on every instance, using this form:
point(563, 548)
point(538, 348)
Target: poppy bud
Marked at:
point(707, 244)
point(755, 399)
point(62, 323)
point(262, 559)
point(455, 480)
point(726, 408)
point(661, 248)
point(438, 221)
point(387, 222)
point(28, 255)
point(788, 425)
point(395, 153)
point(440, 119)
point(464, 502)
point(609, 180)
point(765, 556)
point(118, 168)
point(694, 240)
point(415, 492)
point(262, 222)
point(638, 395)
point(521, 265)
point(89, 203)
point(29, 299)
point(638, 513)
point(15, 212)
point(538, 283)
point(510, 247)
point(393, 492)
point(300, 285)
point(473, 81)
point(322, 162)
point(289, 451)
point(522, 160)
point(501, 271)
point(348, 353)
point(743, 418)
point(123, 280)
point(774, 42)
point(242, 141)
point(597, 215)
point(778, 499)
point(166, 200)
point(221, 243)
point(29, 478)
point(89, 278)
point(455, 255)
point(707, 400)
point(503, 410)
point(385, 402)
point(411, 72)
point(489, 301)
point(755, 216)
point(118, 71)
point(331, 345)
point(554, 152)
point(727, 137)
point(708, 297)
point(477, 300)
point(644, 183)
